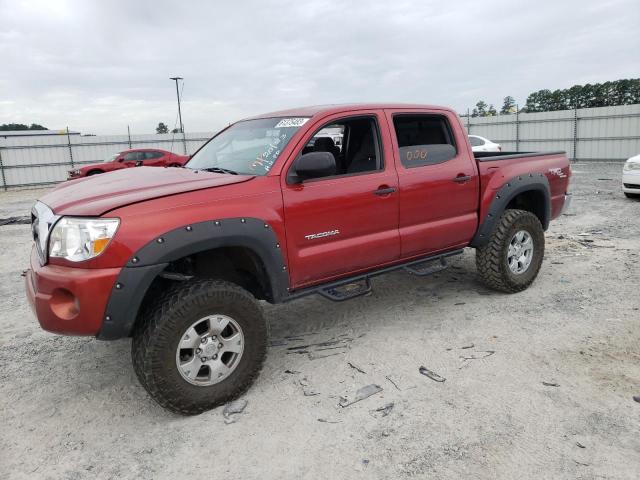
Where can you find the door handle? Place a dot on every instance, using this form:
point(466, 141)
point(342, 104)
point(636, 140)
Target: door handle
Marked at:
point(462, 178)
point(382, 191)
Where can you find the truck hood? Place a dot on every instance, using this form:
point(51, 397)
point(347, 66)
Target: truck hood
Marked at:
point(96, 195)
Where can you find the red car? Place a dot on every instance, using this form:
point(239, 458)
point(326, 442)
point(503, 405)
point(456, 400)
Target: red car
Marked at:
point(273, 209)
point(148, 157)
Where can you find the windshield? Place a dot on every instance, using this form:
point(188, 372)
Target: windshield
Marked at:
point(113, 157)
point(250, 147)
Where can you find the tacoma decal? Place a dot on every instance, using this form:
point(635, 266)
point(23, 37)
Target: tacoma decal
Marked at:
point(322, 234)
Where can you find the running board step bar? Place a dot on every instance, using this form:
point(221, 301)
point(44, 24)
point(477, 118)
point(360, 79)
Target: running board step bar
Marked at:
point(428, 267)
point(359, 285)
point(347, 291)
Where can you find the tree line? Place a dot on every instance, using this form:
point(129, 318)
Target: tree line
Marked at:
point(162, 128)
point(607, 94)
point(10, 127)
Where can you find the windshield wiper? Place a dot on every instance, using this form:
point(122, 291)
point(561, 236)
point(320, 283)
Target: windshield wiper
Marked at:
point(220, 170)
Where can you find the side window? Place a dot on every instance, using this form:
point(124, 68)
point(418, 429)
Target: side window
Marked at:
point(476, 141)
point(152, 155)
point(424, 139)
point(354, 143)
point(133, 156)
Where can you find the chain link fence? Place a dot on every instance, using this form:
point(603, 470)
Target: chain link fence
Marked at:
point(590, 134)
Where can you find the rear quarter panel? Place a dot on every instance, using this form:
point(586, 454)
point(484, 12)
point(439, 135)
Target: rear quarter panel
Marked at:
point(495, 173)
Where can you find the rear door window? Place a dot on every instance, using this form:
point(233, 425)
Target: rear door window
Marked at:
point(424, 139)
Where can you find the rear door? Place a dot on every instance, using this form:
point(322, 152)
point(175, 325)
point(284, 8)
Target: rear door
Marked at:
point(154, 158)
point(438, 181)
point(347, 222)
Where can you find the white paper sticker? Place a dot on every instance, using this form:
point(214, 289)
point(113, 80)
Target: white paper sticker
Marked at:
point(291, 122)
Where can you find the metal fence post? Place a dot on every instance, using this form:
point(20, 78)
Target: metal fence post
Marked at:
point(129, 135)
point(4, 180)
point(468, 122)
point(517, 128)
point(70, 149)
point(575, 133)
point(184, 141)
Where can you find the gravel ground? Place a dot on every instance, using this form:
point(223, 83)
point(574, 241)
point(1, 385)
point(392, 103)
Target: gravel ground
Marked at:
point(72, 407)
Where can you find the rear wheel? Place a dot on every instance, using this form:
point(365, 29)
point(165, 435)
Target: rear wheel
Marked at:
point(510, 261)
point(200, 346)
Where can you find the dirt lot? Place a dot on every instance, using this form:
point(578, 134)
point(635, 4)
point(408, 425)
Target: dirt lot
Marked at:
point(72, 407)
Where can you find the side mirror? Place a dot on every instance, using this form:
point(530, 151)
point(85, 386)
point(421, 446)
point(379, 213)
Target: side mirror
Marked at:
point(314, 165)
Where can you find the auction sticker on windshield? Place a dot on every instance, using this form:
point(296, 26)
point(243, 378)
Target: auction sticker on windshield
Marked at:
point(291, 122)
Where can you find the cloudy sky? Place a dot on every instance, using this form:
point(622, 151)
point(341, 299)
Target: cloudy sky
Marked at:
point(98, 66)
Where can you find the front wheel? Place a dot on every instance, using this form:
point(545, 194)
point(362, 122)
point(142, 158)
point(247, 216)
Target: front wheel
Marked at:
point(510, 261)
point(202, 345)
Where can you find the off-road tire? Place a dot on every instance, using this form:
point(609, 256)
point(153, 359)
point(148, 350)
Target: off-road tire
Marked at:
point(491, 259)
point(156, 337)
point(632, 195)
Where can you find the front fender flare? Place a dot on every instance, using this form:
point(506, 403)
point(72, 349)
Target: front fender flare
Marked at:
point(148, 262)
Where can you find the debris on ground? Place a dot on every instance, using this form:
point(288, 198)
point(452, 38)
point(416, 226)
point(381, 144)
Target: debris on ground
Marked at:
point(355, 367)
point(580, 445)
point(233, 409)
point(636, 398)
point(291, 372)
point(307, 389)
point(15, 221)
point(324, 420)
point(316, 356)
point(361, 394)
point(464, 347)
point(384, 410)
point(483, 354)
point(550, 384)
point(392, 382)
point(432, 375)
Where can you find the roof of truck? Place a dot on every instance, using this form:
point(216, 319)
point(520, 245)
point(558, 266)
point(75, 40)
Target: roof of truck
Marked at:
point(310, 111)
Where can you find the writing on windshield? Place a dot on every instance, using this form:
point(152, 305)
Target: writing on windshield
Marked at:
point(250, 147)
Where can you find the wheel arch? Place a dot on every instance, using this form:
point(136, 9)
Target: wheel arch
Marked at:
point(528, 192)
point(245, 251)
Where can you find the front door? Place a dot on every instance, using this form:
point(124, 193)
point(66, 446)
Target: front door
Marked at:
point(347, 221)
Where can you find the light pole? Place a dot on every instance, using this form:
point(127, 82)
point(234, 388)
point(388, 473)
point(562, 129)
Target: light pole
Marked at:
point(184, 141)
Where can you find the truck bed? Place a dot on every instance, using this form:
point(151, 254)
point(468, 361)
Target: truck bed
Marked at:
point(490, 156)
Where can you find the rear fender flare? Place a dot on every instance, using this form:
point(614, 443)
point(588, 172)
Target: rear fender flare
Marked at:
point(512, 188)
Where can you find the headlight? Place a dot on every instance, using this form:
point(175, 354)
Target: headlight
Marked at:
point(631, 166)
point(78, 239)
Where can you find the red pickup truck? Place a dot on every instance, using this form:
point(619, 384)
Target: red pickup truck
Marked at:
point(148, 157)
point(309, 201)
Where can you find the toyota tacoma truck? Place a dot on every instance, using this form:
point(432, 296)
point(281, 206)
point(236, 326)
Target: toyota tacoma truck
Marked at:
point(273, 208)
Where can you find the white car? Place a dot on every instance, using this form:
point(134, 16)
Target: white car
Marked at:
point(481, 144)
point(631, 177)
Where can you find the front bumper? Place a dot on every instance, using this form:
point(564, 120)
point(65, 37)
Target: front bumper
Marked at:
point(631, 182)
point(67, 300)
